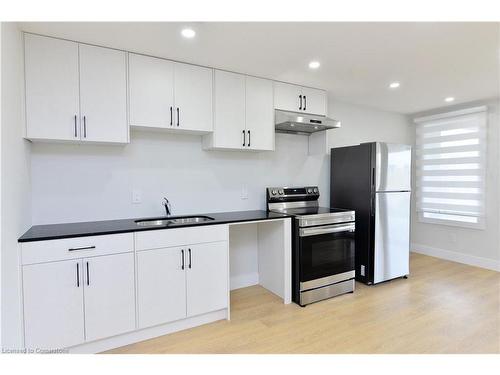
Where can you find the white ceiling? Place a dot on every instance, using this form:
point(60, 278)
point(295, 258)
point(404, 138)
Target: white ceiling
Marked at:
point(358, 60)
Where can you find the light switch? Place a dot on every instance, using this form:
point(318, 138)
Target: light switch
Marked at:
point(244, 192)
point(136, 196)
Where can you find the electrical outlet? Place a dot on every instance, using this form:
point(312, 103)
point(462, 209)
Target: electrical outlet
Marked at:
point(136, 196)
point(244, 192)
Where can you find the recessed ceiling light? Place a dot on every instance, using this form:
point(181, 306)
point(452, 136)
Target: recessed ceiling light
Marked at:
point(449, 99)
point(188, 33)
point(394, 85)
point(314, 64)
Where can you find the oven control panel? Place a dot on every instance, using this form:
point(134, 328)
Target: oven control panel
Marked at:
point(291, 194)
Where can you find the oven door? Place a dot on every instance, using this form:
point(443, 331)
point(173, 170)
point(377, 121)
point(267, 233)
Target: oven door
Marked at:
point(326, 251)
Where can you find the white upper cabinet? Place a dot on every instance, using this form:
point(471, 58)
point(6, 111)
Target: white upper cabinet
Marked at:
point(286, 97)
point(193, 98)
point(259, 114)
point(52, 90)
point(229, 111)
point(170, 95)
point(74, 92)
point(314, 101)
point(243, 113)
point(295, 98)
point(103, 95)
point(151, 91)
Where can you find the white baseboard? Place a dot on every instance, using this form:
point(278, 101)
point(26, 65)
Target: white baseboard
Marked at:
point(242, 281)
point(148, 333)
point(471, 260)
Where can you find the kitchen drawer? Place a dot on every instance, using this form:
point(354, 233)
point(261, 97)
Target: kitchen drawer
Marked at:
point(76, 247)
point(157, 239)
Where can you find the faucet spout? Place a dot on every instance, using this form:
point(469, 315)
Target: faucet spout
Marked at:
point(167, 205)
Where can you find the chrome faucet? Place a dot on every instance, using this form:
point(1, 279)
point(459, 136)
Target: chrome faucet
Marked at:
point(168, 207)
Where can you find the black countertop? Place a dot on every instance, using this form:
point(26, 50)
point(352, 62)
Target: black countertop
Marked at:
point(96, 228)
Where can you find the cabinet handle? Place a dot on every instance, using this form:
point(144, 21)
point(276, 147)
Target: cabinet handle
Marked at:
point(84, 127)
point(81, 248)
point(182, 259)
point(78, 275)
point(300, 107)
point(305, 102)
point(76, 132)
point(171, 116)
point(249, 138)
point(178, 116)
point(244, 138)
point(88, 277)
point(189, 250)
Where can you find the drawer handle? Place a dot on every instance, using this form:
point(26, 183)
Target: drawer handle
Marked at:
point(81, 248)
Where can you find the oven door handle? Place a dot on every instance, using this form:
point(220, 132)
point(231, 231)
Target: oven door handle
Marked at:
point(325, 229)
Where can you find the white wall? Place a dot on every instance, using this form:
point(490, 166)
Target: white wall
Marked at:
point(361, 124)
point(78, 183)
point(472, 246)
point(15, 190)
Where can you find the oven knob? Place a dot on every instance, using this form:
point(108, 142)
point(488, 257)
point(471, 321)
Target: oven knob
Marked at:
point(309, 191)
point(315, 190)
point(281, 192)
point(273, 192)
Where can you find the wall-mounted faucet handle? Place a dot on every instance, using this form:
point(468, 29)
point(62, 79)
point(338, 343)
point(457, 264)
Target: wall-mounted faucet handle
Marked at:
point(167, 205)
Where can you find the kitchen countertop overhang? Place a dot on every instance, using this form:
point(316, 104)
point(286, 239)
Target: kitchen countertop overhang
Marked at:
point(97, 228)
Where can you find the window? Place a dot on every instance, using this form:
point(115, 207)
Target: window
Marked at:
point(450, 167)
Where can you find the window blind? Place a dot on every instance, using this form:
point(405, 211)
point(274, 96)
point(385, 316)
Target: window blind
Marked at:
point(450, 167)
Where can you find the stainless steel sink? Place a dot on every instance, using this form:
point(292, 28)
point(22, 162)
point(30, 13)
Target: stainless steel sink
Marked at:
point(173, 221)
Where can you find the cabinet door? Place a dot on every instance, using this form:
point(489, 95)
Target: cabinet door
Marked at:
point(161, 286)
point(109, 295)
point(259, 114)
point(287, 97)
point(151, 90)
point(103, 94)
point(229, 110)
point(51, 74)
point(207, 278)
point(193, 90)
point(314, 101)
point(53, 304)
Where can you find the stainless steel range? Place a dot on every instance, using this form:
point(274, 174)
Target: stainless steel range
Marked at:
point(323, 263)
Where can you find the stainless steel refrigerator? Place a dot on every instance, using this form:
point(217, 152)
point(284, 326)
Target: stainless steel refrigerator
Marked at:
point(374, 179)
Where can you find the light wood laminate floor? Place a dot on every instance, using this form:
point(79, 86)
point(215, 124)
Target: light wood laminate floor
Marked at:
point(443, 307)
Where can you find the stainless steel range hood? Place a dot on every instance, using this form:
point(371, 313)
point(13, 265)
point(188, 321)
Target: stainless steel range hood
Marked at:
point(302, 123)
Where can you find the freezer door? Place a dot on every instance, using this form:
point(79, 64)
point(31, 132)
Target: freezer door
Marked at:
point(392, 236)
point(393, 167)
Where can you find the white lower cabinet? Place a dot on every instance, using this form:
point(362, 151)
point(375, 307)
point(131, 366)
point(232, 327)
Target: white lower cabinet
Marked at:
point(80, 290)
point(109, 295)
point(53, 304)
point(84, 298)
point(207, 278)
point(179, 282)
point(161, 282)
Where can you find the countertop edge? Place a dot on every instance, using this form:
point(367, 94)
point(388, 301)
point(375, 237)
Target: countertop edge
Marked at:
point(142, 229)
